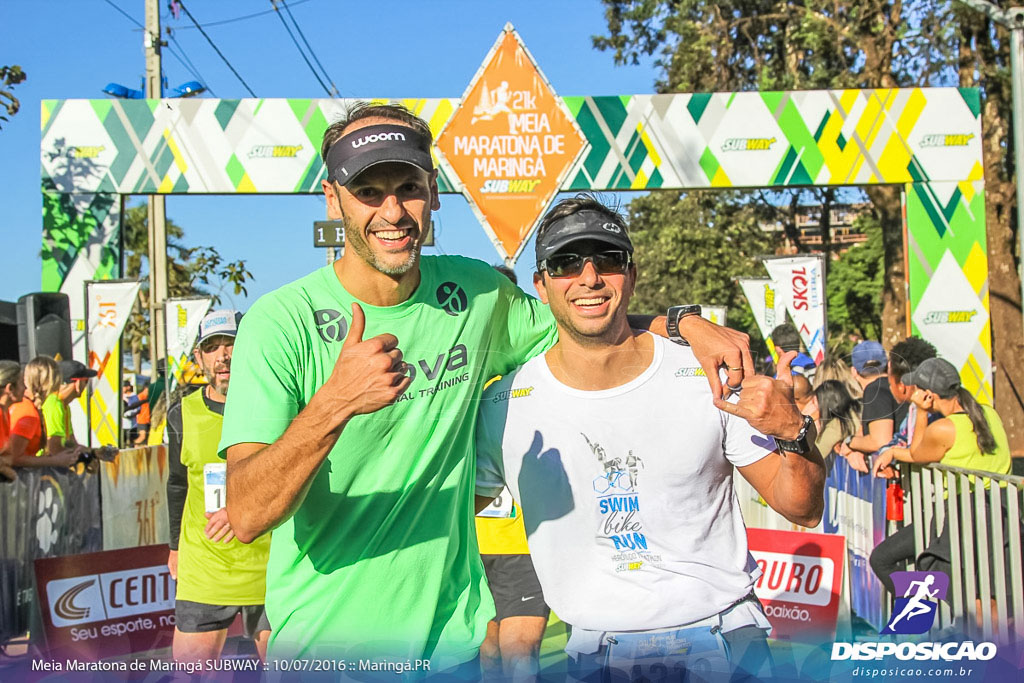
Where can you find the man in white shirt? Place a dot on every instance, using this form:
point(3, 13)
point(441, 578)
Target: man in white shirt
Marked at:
point(622, 462)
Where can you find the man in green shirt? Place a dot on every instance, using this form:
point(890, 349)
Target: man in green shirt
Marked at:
point(358, 453)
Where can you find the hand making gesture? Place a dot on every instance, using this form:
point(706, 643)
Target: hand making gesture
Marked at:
point(767, 403)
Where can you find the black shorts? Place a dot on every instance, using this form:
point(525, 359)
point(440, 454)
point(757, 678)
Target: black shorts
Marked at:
point(514, 586)
point(198, 617)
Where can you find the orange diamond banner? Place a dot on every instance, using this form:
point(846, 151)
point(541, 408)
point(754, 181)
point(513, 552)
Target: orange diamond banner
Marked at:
point(511, 142)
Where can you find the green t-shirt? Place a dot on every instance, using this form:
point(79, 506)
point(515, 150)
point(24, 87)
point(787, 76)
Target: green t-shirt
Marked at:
point(381, 557)
point(56, 418)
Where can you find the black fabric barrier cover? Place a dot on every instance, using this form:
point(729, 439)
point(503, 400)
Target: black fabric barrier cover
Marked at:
point(45, 513)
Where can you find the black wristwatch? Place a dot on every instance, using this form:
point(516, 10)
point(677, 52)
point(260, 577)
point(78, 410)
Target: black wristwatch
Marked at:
point(799, 445)
point(672, 318)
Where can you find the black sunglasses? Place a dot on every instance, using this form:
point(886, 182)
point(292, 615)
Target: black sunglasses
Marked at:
point(612, 262)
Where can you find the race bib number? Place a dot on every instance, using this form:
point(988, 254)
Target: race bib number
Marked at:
point(215, 479)
point(502, 507)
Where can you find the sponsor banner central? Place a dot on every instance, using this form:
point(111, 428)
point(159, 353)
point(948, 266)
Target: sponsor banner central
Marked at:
point(108, 603)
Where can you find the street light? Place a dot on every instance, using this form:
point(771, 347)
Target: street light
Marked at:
point(186, 89)
point(123, 92)
point(190, 89)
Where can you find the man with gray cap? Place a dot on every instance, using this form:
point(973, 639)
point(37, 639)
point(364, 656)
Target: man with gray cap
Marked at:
point(622, 463)
point(358, 452)
point(218, 577)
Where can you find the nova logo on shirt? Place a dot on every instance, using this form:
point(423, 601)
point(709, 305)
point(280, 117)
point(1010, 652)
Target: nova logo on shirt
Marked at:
point(330, 324)
point(452, 298)
point(456, 358)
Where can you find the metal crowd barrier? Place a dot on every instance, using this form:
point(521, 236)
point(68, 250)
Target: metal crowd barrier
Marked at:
point(982, 510)
point(51, 512)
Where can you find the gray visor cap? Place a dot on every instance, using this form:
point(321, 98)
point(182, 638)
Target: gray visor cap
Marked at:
point(582, 225)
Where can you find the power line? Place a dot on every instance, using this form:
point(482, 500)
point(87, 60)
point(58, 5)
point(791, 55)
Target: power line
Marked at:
point(125, 14)
point(304, 58)
point(189, 66)
point(215, 49)
point(309, 47)
point(242, 18)
point(174, 53)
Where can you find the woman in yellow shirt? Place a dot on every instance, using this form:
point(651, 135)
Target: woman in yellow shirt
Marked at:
point(969, 435)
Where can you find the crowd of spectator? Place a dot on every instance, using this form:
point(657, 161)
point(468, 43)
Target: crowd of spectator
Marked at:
point(905, 406)
point(36, 429)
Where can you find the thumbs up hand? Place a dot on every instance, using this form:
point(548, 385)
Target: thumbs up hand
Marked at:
point(369, 374)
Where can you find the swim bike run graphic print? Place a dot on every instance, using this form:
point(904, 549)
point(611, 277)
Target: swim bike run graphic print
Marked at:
point(616, 488)
point(443, 371)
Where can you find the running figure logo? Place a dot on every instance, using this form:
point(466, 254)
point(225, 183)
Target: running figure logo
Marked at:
point(915, 611)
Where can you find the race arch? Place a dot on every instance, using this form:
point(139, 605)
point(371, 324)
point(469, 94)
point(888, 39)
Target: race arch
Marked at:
point(926, 140)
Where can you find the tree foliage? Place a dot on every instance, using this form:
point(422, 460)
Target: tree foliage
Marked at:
point(853, 286)
point(690, 246)
point(776, 45)
point(10, 76)
point(191, 271)
point(728, 45)
point(733, 45)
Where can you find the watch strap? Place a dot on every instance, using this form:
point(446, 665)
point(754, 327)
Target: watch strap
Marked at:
point(672, 318)
point(799, 445)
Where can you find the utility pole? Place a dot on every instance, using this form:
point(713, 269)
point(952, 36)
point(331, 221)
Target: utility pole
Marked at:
point(1013, 19)
point(156, 214)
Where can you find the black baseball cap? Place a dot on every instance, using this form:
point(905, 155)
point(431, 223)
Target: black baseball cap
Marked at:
point(357, 151)
point(936, 375)
point(587, 224)
point(71, 370)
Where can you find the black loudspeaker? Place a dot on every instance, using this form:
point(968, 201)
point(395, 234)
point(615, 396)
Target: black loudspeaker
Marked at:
point(8, 330)
point(44, 326)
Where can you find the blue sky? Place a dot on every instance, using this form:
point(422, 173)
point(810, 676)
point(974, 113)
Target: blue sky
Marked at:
point(383, 48)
